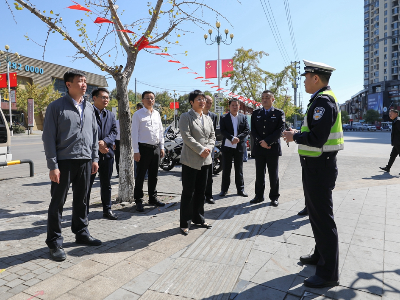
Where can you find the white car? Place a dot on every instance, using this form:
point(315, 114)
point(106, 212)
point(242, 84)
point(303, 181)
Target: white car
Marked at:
point(370, 127)
point(5, 140)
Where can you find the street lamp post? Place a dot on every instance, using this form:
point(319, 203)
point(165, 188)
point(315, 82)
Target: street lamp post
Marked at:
point(218, 39)
point(7, 58)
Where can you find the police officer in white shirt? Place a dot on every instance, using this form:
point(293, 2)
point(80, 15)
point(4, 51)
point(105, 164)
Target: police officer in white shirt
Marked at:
point(148, 148)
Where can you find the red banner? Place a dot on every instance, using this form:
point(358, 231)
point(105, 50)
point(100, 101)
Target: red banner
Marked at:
point(171, 105)
point(3, 81)
point(211, 69)
point(226, 66)
point(13, 79)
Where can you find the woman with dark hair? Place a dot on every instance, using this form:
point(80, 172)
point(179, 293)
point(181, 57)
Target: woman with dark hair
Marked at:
point(198, 136)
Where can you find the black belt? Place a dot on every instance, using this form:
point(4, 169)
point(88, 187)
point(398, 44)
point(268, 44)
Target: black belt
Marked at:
point(148, 145)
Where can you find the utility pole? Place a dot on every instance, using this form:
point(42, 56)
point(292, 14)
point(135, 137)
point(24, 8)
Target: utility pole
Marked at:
point(295, 86)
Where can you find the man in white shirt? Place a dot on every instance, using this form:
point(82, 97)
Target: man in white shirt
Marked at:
point(235, 129)
point(148, 148)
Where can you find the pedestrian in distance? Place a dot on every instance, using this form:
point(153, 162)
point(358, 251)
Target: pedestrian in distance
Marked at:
point(71, 147)
point(267, 125)
point(148, 148)
point(320, 139)
point(395, 139)
point(235, 129)
point(198, 136)
point(206, 111)
point(107, 133)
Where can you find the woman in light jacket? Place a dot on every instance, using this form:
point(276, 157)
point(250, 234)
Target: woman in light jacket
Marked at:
point(198, 136)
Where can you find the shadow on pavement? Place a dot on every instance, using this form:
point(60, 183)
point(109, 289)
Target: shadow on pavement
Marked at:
point(383, 176)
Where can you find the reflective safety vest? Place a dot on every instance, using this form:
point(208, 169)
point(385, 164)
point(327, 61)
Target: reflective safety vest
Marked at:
point(335, 140)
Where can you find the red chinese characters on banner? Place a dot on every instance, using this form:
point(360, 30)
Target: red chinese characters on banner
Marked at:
point(226, 66)
point(13, 79)
point(211, 69)
point(171, 105)
point(3, 81)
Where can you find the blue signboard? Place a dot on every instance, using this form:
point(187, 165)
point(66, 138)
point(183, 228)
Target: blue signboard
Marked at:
point(375, 102)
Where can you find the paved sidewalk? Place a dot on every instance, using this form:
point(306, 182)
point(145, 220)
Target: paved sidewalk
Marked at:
point(252, 251)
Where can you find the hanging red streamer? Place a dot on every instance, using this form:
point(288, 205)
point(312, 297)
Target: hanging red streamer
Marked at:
point(174, 61)
point(141, 43)
point(162, 54)
point(126, 30)
point(183, 68)
point(152, 46)
point(198, 77)
point(78, 7)
point(102, 20)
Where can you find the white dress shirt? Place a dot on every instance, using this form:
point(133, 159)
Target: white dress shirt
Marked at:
point(147, 129)
point(235, 131)
point(79, 107)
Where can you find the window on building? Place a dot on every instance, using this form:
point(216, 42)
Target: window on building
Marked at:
point(385, 78)
point(385, 49)
point(366, 75)
point(395, 48)
point(385, 27)
point(366, 62)
point(385, 56)
point(385, 20)
point(59, 85)
point(385, 34)
point(385, 42)
point(385, 5)
point(394, 70)
point(384, 71)
point(395, 10)
point(385, 13)
point(385, 64)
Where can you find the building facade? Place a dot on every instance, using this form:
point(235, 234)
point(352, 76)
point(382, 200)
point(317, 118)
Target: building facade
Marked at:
point(381, 59)
point(34, 71)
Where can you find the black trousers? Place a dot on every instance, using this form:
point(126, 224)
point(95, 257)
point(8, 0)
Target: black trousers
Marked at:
point(227, 156)
point(192, 200)
point(395, 152)
point(77, 172)
point(149, 161)
point(117, 154)
point(272, 163)
point(209, 184)
point(105, 172)
point(318, 184)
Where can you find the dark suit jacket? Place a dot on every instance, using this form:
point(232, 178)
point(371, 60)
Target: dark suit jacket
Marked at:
point(107, 130)
point(267, 127)
point(395, 135)
point(214, 118)
point(227, 131)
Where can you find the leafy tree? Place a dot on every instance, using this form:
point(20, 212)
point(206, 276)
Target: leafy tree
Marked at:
point(154, 25)
point(371, 116)
point(345, 117)
point(250, 80)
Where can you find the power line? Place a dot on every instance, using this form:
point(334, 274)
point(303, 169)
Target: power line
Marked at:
point(290, 25)
point(162, 88)
point(274, 33)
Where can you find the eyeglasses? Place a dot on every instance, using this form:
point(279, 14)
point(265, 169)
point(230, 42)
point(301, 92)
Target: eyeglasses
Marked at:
point(148, 98)
point(201, 100)
point(104, 98)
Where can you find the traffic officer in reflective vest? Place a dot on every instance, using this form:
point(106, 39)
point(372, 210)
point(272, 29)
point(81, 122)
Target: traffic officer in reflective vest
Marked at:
point(320, 139)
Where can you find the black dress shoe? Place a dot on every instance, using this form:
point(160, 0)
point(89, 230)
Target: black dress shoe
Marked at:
point(303, 212)
point(386, 169)
point(222, 194)
point(156, 202)
point(88, 240)
point(242, 193)
point(58, 254)
point(110, 215)
point(309, 259)
point(256, 200)
point(139, 207)
point(210, 200)
point(317, 282)
point(275, 203)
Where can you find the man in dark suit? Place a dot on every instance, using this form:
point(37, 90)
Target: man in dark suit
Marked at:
point(214, 118)
point(235, 129)
point(267, 125)
point(107, 132)
point(395, 139)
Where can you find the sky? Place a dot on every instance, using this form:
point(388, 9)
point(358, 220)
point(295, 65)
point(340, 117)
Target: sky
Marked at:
point(324, 31)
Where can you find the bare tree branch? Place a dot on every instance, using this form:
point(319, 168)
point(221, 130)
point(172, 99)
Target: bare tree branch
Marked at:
point(52, 25)
point(154, 18)
point(123, 36)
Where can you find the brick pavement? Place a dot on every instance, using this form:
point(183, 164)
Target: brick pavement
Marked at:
point(251, 252)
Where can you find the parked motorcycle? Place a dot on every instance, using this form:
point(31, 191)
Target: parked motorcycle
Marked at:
point(217, 164)
point(173, 148)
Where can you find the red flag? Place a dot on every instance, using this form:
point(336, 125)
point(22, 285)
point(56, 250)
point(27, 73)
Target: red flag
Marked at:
point(205, 80)
point(220, 89)
point(174, 61)
point(126, 30)
point(193, 73)
point(199, 77)
point(78, 7)
point(215, 86)
point(152, 46)
point(142, 42)
point(211, 69)
point(226, 66)
point(209, 83)
point(183, 68)
point(171, 105)
point(102, 20)
point(3, 81)
point(13, 79)
point(162, 54)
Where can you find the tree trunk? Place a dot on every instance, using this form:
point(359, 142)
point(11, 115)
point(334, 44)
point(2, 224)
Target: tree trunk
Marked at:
point(126, 178)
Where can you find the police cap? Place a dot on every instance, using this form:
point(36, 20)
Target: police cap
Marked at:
point(317, 68)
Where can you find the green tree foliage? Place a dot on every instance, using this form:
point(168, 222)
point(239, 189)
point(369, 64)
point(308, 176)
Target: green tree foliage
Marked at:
point(249, 80)
point(345, 117)
point(371, 116)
